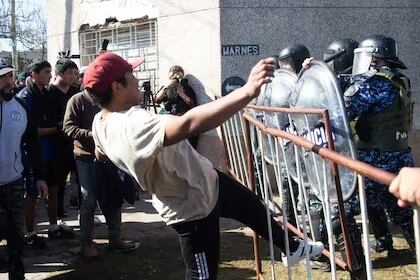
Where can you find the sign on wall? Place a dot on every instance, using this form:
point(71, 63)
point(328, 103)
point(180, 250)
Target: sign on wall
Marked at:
point(231, 50)
point(232, 83)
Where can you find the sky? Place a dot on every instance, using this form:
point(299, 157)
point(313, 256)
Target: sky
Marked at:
point(5, 44)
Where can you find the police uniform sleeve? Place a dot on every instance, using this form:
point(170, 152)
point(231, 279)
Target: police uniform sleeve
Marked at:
point(374, 95)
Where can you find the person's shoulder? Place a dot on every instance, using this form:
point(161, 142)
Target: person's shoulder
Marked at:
point(24, 92)
point(77, 97)
point(74, 100)
point(138, 111)
point(137, 118)
point(97, 117)
point(74, 89)
point(381, 84)
point(53, 90)
point(22, 103)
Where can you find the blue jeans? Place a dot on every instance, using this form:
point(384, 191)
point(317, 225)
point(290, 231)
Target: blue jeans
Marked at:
point(89, 189)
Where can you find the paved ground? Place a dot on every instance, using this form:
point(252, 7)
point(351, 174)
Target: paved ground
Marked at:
point(159, 258)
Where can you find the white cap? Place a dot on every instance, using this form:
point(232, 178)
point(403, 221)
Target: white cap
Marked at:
point(5, 67)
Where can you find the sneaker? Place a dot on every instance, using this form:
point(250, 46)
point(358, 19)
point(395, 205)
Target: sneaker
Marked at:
point(377, 246)
point(124, 246)
point(62, 216)
point(323, 266)
point(4, 264)
point(380, 247)
point(96, 220)
point(314, 249)
point(89, 251)
point(61, 233)
point(35, 242)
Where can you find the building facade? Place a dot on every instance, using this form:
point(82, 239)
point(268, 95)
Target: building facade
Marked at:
point(218, 41)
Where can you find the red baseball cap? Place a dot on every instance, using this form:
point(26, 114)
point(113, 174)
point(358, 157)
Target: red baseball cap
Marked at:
point(104, 70)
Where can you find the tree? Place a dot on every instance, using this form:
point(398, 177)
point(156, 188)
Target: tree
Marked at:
point(24, 26)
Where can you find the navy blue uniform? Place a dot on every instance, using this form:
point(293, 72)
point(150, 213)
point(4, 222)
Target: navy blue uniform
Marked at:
point(375, 94)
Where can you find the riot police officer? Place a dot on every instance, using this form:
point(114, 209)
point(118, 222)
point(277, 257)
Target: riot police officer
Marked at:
point(342, 66)
point(379, 107)
point(289, 58)
point(292, 57)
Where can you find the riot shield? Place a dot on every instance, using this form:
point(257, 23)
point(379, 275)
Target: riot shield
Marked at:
point(277, 94)
point(282, 86)
point(317, 87)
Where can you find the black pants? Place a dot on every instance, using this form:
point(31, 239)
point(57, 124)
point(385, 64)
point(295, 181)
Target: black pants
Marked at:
point(200, 240)
point(11, 210)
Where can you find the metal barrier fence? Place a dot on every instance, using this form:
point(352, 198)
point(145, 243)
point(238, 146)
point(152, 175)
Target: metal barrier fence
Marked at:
point(260, 154)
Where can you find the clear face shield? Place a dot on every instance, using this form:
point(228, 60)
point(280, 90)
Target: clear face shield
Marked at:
point(328, 54)
point(362, 60)
point(287, 63)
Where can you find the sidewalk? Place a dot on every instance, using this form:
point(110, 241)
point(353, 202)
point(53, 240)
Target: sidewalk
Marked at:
point(159, 257)
point(62, 255)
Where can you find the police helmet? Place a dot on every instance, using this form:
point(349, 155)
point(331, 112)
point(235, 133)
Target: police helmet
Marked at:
point(293, 57)
point(382, 47)
point(342, 64)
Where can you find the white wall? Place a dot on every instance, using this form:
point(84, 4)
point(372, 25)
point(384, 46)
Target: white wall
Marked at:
point(64, 18)
point(188, 35)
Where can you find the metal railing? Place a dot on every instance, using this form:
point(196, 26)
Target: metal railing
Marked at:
point(244, 135)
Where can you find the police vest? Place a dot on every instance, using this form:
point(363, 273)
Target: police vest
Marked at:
point(174, 104)
point(386, 130)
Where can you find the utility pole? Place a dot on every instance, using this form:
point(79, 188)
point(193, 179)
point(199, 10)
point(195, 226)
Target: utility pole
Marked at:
point(13, 34)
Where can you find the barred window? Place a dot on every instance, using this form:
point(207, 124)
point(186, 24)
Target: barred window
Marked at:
point(134, 40)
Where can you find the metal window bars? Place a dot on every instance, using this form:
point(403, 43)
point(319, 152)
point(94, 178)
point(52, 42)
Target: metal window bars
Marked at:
point(132, 40)
point(258, 156)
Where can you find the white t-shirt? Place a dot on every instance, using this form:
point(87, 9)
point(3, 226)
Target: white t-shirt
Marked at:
point(183, 184)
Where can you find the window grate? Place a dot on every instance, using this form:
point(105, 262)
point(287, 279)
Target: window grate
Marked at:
point(130, 41)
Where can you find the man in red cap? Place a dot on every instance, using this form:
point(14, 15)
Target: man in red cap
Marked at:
point(189, 194)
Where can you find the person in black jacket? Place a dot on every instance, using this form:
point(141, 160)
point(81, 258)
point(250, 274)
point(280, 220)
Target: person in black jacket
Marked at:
point(45, 113)
point(61, 88)
point(16, 131)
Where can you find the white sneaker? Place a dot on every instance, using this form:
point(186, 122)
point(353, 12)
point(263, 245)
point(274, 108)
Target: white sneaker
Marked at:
point(314, 249)
point(97, 220)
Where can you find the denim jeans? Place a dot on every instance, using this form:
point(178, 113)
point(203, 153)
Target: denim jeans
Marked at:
point(89, 189)
point(11, 210)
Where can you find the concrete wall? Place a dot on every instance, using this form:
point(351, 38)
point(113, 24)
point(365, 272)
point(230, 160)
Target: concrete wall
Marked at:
point(275, 24)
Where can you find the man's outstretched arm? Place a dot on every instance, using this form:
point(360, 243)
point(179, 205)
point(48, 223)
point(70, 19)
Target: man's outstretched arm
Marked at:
point(208, 116)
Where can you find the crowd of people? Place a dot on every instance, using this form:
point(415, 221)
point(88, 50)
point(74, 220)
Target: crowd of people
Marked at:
point(47, 126)
point(75, 124)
